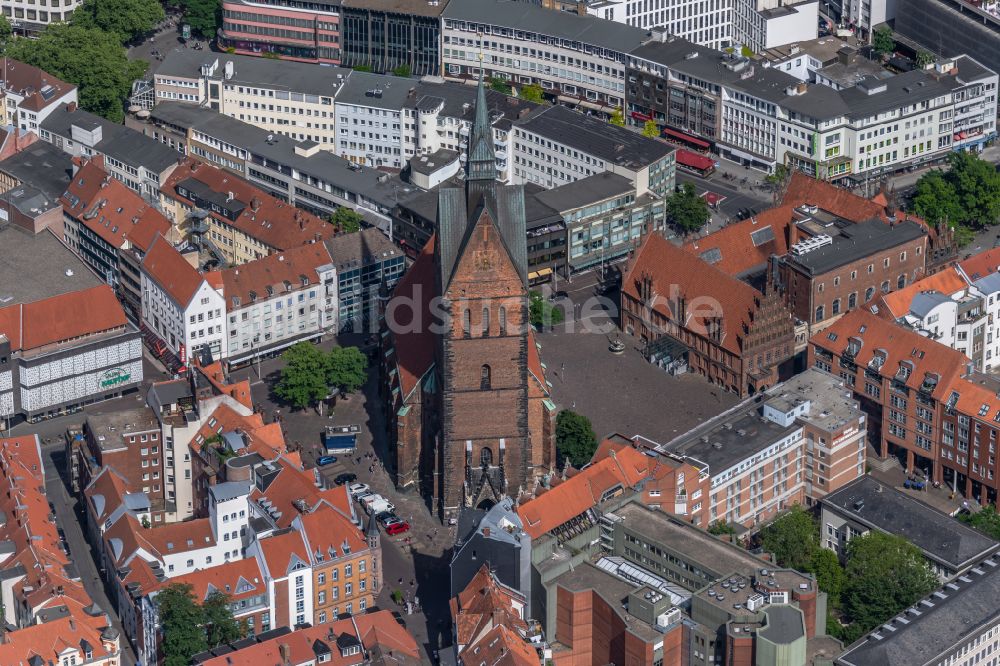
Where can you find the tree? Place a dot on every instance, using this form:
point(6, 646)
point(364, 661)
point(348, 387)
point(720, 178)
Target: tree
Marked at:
point(531, 93)
point(882, 40)
point(829, 574)
point(203, 16)
point(541, 313)
point(217, 618)
point(88, 57)
point(181, 624)
point(779, 176)
point(500, 85)
point(346, 368)
point(977, 186)
point(617, 118)
point(650, 129)
point(935, 199)
point(304, 378)
point(575, 438)
point(885, 574)
point(347, 220)
point(721, 527)
point(792, 538)
point(128, 19)
point(5, 29)
point(986, 520)
point(924, 58)
point(686, 209)
point(362, 68)
point(402, 70)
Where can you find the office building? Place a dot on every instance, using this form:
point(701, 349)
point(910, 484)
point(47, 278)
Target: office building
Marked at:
point(388, 35)
point(367, 266)
point(60, 353)
point(950, 547)
point(287, 30)
point(136, 160)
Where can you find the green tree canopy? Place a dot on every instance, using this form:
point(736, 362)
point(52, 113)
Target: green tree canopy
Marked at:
point(217, 618)
point(88, 57)
point(924, 58)
point(686, 210)
point(575, 438)
point(650, 129)
point(617, 118)
point(792, 538)
point(203, 16)
point(128, 19)
point(986, 520)
point(885, 574)
point(829, 574)
point(402, 70)
point(935, 200)
point(531, 93)
point(882, 40)
point(346, 368)
point(181, 623)
point(5, 29)
point(721, 527)
point(304, 378)
point(541, 313)
point(500, 85)
point(977, 186)
point(347, 220)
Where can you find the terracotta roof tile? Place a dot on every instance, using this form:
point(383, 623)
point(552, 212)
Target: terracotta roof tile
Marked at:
point(49, 640)
point(948, 282)
point(280, 272)
point(111, 210)
point(803, 190)
point(169, 269)
point(740, 247)
point(60, 318)
point(673, 269)
point(982, 264)
point(263, 217)
point(225, 578)
point(327, 528)
point(282, 551)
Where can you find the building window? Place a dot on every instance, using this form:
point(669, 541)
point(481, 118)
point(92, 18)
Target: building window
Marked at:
point(869, 292)
point(885, 287)
point(503, 320)
point(486, 322)
point(901, 282)
point(852, 300)
point(486, 457)
point(820, 313)
point(466, 323)
point(485, 379)
point(835, 307)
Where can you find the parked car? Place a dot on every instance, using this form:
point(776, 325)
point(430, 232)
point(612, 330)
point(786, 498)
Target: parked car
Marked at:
point(325, 460)
point(346, 477)
point(357, 488)
point(397, 528)
point(376, 505)
point(386, 517)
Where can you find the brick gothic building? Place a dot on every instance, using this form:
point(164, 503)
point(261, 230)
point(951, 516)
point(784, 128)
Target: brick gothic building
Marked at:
point(705, 320)
point(465, 386)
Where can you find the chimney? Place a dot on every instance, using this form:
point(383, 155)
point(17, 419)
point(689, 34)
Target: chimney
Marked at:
point(486, 532)
point(71, 107)
point(286, 654)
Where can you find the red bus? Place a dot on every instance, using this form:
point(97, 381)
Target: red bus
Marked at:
point(695, 163)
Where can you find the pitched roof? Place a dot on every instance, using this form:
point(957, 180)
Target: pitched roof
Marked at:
point(480, 608)
point(282, 552)
point(279, 272)
point(168, 268)
point(105, 492)
point(239, 579)
point(982, 264)
point(947, 282)
point(899, 346)
point(257, 214)
point(583, 491)
point(327, 531)
point(38, 87)
point(675, 270)
point(741, 247)
point(50, 640)
point(110, 209)
point(803, 190)
point(413, 341)
point(60, 318)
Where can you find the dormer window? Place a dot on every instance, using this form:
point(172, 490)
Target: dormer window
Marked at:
point(905, 369)
point(878, 360)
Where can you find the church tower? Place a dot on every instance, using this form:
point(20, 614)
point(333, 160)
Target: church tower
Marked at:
point(483, 450)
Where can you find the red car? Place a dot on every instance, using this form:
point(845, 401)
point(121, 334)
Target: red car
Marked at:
point(392, 529)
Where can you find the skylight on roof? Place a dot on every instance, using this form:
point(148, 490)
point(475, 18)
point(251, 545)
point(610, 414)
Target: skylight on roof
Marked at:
point(761, 236)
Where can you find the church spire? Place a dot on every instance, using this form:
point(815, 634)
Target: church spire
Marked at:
point(481, 164)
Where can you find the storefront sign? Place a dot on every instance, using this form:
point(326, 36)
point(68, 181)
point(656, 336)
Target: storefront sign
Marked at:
point(114, 377)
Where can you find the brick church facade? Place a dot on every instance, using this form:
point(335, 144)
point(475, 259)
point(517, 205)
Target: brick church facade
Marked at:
point(465, 388)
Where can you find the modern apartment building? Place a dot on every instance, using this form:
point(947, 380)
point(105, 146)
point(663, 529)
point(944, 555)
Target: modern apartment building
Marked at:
point(29, 93)
point(367, 266)
point(388, 34)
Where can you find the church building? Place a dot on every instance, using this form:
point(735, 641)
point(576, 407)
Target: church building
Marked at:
point(470, 415)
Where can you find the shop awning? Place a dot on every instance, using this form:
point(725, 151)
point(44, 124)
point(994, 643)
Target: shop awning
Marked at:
point(544, 272)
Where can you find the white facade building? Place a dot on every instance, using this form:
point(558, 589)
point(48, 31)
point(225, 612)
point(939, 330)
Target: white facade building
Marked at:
point(179, 305)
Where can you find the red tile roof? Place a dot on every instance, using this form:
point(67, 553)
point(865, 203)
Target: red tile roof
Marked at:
point(265, 218)
point(377, 632)
point(584, 491)
point(982, 264)
point(803, 190)
point(414, 342)
point(737, 250)
point(901, 346)
point(111, 210)
point(948, 282)
point(280, 271)
point(28, 81)
point(674, 270)
point(51, 640)
point(327, 530)
point(171, 271)
point(61, 318)
point(105, 493)
point(281, 551)
point(239, 579)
